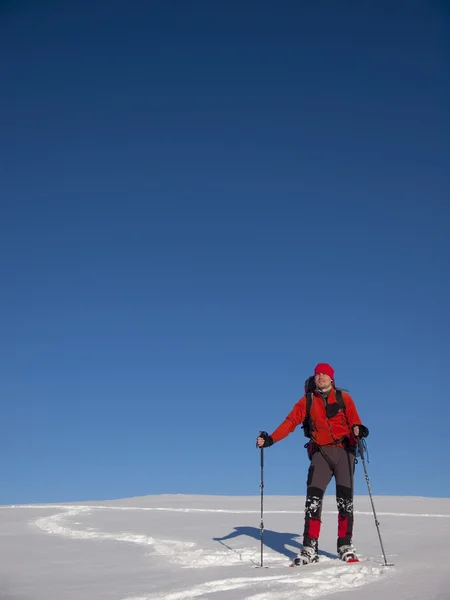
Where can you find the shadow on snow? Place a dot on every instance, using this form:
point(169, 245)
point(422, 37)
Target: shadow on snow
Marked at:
point(272, 539)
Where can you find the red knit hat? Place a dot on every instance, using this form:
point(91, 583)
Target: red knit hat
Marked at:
point(324, 368)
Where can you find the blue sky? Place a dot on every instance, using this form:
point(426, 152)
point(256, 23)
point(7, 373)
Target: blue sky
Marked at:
point(199, 202)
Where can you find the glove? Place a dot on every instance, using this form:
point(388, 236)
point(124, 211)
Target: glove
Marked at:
point(363, 431)
point(268, 441)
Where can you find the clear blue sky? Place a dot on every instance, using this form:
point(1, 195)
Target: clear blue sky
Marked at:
point(199, 202)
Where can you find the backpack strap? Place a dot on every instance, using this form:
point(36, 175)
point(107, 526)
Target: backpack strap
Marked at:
point(340, 399)
point(309, 399)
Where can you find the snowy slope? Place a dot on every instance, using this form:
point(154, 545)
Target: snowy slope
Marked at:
point(208, 547)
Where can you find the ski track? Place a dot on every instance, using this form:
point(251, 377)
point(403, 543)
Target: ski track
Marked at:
point(185, 554)
point(305, 584)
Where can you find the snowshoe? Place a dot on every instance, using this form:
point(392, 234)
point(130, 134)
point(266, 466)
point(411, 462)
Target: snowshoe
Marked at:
point(347, 553)
point(307, 556)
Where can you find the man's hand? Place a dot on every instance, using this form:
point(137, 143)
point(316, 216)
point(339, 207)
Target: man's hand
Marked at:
point(264, 440)
point(360, 431)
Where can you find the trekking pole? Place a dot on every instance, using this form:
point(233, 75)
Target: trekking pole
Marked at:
point(261, 485)
point(361, 452)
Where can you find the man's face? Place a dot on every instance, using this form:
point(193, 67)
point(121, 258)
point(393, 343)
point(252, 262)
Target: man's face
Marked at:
point(323, 381)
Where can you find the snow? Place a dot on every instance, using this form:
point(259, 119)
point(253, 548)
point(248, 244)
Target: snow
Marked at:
point(177, 547)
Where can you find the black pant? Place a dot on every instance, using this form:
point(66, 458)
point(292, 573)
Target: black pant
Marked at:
point(326, 462)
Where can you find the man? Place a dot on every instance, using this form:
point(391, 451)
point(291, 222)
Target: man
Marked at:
point(334, 434)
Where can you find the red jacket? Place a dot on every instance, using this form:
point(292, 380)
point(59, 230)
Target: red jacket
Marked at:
point(324, 431)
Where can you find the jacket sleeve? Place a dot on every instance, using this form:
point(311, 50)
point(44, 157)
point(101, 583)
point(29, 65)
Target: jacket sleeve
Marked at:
point(353, 417)
point(294, 418)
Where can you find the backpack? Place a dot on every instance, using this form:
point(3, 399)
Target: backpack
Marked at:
point(332, 409)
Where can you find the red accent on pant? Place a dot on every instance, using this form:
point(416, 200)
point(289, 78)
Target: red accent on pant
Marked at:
point(342, 525)
point(314, 528)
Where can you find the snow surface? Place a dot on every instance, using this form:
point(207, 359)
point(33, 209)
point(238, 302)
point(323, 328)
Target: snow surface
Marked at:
point(178, 547)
